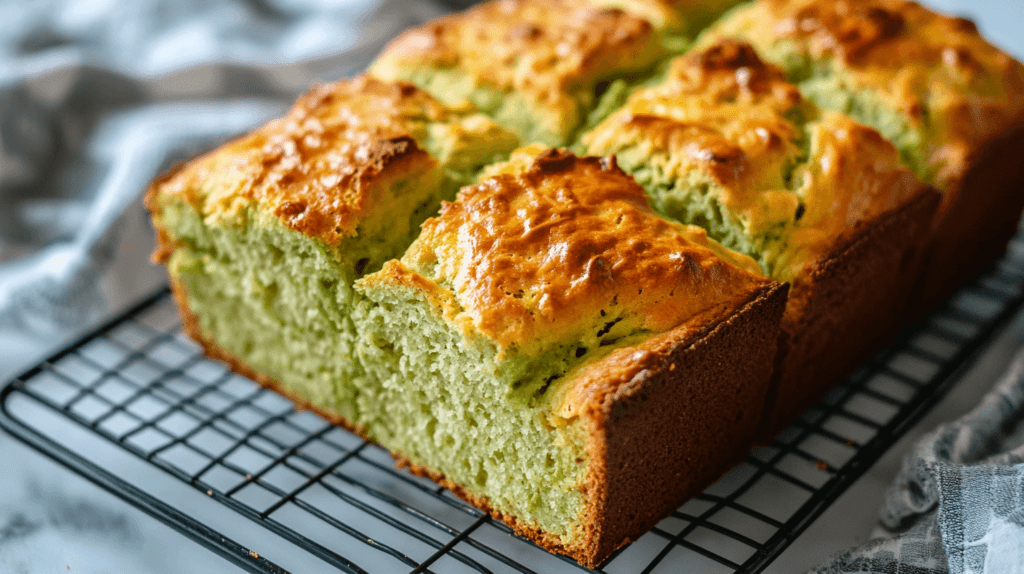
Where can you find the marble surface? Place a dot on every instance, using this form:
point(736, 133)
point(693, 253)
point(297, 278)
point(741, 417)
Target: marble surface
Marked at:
point(52, 520)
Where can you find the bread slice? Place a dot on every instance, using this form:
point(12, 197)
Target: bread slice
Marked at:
point(538, 67)
point(931, 84)
point(819, 200)
point(264, 237)
point(557, 354)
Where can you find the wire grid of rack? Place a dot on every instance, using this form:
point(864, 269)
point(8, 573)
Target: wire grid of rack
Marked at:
point(142, 386)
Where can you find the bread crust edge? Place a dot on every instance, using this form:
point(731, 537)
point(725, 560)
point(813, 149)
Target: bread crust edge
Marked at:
point(846, 307)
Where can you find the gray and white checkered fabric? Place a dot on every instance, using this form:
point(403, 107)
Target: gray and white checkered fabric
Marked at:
point(957, 505)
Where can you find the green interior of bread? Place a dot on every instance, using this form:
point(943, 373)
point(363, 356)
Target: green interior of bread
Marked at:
point(831, 89)
point(285, 304)
point(520, 113)
point(448, 404)
point(280, 301)
point(694, 200)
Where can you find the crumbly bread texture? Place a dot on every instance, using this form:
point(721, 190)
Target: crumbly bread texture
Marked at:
point(725, 140)
point(269, 232)
point(574, 347)
point(541, 289)
point(951, 102)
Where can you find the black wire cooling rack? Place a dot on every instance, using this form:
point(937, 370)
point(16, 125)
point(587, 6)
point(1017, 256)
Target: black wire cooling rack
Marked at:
point(139, 386)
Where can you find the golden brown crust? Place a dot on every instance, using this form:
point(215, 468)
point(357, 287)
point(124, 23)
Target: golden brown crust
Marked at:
point(679, 16)
point(680, 411)
point(722, 112)
point(540, 250)
point(853, 176)
point(847, 306)
point(553, 52)
point(937, 69)
point(981, 219)
point(532, 46)
point(320, 168)
point(729, 70)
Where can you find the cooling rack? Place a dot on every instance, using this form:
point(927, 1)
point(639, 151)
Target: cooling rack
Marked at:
point(140, 387)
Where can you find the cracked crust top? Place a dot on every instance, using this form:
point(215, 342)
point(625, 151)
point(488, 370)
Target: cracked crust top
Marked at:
point(936, 69)
point(549, 245)
point(321, 167)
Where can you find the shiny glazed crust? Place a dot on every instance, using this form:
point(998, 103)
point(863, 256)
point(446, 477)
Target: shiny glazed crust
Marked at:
point(324, 167)
point(649, 411)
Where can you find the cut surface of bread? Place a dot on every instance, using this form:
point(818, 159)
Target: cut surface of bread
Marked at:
point(544, 292)
point(267, 234)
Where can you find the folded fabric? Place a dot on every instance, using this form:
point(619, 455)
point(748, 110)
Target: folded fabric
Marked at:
point(96, 99)
point(957, 505)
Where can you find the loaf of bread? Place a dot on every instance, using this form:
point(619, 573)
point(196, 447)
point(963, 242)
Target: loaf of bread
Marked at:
point(542, 250)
